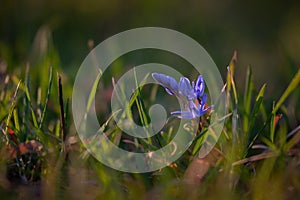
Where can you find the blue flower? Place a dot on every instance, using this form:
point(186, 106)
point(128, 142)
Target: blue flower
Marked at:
point(199, 87)
point(194, 92)
point(185, 88)
point(194, 111)
point(169, 83)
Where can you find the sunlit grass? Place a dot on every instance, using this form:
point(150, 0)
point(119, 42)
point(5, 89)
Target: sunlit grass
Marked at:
point(256, 157)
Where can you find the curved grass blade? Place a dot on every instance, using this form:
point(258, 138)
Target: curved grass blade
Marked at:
point(294, 140)
point(292, 86)
point(93, 91)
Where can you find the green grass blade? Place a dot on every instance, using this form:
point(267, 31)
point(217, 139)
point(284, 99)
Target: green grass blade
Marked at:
point(233, 86)
point(57, 131)
point(257, 105)
point(272, 124)
point(93, 91)
point(294, 140)
point(13, 104)
point(263, 178)
point(34, 119)
point(235, 114)
point(230, 75)
point(117, 137)
point(247, 99)
point(121, 96)
point(16, 120)
point(25, 114)
point(263, 112)
point(112, 116)
point(269, 143)
point(292, 86)
point(200, 139)
point(47, 98)
point(144, 117)
point(141, 112)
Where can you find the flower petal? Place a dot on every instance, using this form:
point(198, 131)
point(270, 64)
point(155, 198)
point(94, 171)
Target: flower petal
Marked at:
point(169, 91)
point(185, 88)
point(203, 111)
point(168, 82)
point(199, 87)
point(184, 114)
point(203, 100)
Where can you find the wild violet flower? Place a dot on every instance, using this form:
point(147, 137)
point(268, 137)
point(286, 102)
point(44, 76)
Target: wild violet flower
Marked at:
point(192, 93)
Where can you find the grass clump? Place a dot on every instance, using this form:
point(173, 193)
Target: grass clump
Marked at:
point(256, 157)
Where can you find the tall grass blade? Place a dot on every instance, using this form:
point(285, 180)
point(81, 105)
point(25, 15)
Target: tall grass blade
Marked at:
point(247, 100)
point(229, 76)
point(272, 124)
point(34, 118)
point(93, 91)
point(291, 87)
point(16, 120)
point(257, 105)
point(11, 110)
point(47, 98)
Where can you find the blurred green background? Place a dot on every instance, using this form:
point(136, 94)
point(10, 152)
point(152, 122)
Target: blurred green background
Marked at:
point(266, 34)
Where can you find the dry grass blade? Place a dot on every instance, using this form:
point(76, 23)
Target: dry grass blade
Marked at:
point(294, 140)
point(61, 105)
point(261, 156)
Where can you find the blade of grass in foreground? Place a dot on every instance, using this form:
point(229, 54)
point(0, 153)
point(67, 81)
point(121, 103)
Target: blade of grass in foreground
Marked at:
point(47, 98)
